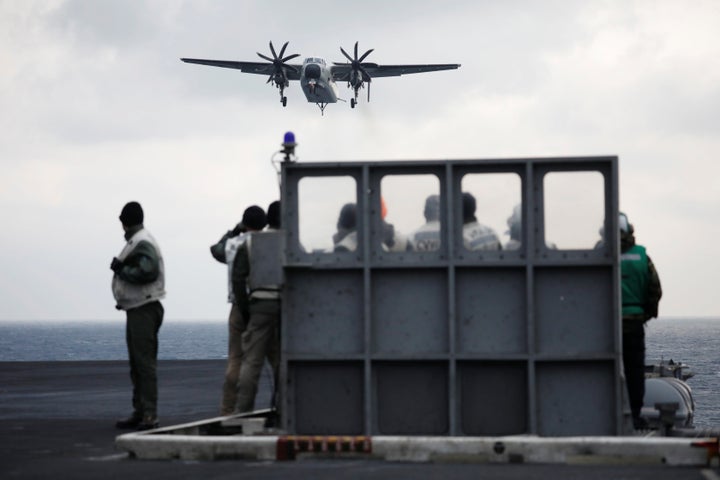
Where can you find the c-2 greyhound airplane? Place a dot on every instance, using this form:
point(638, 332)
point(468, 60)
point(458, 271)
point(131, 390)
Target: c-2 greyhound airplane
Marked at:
point(317, 78)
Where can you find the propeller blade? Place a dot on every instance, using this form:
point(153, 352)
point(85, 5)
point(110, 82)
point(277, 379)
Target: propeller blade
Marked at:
point(356, 45)
point(289, 57)
point(365, 55)
point(282, 50)
point(265, 57)
point(346, 54)
point(291, 68)
point(272, 49)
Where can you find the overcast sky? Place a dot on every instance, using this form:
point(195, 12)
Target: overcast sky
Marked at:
point(97, 109)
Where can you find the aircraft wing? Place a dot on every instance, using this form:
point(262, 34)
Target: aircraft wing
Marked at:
point(260, 68)
point(341, 71)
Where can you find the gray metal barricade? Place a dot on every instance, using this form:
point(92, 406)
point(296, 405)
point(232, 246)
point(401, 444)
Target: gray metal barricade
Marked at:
point(452, 341)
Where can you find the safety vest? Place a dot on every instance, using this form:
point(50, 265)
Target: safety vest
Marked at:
point(426, 238)
point(479, 237)
point(231, 247)
point(264, 251)
point(130, 295)
point(634, 269)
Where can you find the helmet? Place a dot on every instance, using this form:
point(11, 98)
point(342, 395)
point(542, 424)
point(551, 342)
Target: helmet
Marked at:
point(432, 207)
point(514, 223)
point(624, 224)
point(515, 217)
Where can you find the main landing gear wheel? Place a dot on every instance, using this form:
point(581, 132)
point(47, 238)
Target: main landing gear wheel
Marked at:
point(352, 103)
point(284, 101)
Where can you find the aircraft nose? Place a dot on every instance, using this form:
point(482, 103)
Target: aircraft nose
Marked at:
point(312, 71)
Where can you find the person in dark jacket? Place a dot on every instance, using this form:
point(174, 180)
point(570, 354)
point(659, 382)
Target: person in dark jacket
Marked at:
point(641, 293)
point(138, 285)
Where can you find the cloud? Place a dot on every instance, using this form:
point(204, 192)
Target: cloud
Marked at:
point(98, 109)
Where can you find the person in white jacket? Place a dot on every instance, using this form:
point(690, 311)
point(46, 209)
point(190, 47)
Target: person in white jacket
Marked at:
point(224, 251)
point(138, 285)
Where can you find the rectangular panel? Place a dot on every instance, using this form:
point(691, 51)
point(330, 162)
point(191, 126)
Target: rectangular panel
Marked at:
point(325, 398)
point(576, 398)
point(266, 260)
point(574, 310)
point(491, 311)
point(532, 345)
point(409, 311)
point(324, 312)
point(493, 398)
point(411, 398)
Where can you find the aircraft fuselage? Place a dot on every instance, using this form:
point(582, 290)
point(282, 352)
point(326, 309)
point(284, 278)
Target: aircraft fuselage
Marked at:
point(317, 83)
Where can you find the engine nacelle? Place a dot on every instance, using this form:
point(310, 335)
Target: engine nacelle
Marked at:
point(356, 79)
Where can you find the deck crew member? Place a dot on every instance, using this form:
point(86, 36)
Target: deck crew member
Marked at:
point(138, 285)
point(224, 251)
point(476, 236)
point(345, 239)
point(514, 223)
point(259, 340)
point(427, 237)
point(641, 293)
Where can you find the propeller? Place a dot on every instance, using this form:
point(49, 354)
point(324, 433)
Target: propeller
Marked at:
point(279, 62)
point(358, 68)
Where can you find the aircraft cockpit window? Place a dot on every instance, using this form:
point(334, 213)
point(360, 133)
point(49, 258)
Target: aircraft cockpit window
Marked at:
point(574, 210)
point(411, 213)
point(491, 211)
point(327, 216)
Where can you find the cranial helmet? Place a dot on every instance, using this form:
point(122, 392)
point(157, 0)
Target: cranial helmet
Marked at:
point(432, 207)
point(624, 224)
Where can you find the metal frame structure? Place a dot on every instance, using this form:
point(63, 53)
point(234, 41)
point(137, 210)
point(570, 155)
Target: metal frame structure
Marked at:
point(451, 342)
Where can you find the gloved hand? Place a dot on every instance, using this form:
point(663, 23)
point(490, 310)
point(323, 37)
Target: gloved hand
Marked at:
point(116, 265)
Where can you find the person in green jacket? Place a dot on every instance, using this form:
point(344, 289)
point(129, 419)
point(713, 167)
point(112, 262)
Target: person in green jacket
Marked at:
point(641, 293)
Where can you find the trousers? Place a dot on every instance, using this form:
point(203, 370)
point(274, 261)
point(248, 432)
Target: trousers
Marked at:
point(141, 336)
point(260, 341)
point(634, 362)
point(236, 326)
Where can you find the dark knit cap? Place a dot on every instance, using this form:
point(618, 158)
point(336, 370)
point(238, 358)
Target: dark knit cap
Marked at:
point(254, 218)
point(348, 217)
point(273, 214)
point(468, 206)
point(132, 214)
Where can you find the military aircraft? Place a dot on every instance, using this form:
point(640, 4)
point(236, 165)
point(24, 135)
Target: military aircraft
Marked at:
point(316, 77)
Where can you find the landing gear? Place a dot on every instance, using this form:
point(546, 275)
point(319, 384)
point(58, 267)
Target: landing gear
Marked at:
point(322, 107)
point(283, 98)
point(352, 103)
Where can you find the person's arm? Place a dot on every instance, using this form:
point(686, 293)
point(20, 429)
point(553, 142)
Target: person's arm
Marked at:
point(240, 272)
point(141, 266)
point(654, 291)
point(218, 250)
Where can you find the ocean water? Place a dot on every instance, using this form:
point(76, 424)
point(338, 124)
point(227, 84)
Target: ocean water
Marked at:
point(689, 340)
